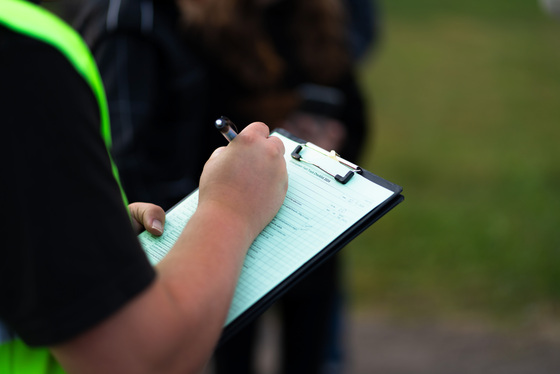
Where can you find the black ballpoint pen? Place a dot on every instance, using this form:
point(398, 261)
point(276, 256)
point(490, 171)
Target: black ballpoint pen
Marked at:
point(226, 127)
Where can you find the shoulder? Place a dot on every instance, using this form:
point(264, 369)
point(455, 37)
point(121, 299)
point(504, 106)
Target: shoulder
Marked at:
point(59, 168)
point(23, 63)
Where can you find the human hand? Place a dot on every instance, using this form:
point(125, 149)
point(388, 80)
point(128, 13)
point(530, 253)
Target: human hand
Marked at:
point(325, 132)
point(248, 178)
point(147, 216)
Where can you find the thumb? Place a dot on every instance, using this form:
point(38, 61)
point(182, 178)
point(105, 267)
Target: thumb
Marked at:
point(147, 216)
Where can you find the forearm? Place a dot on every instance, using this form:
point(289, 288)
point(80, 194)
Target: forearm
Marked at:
point(204, 265)
point(174, 325)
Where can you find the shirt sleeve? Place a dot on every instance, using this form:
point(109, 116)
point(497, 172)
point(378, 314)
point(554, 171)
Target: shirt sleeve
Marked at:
point(73, 258)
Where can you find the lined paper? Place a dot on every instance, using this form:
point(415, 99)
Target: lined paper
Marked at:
point(317, 209)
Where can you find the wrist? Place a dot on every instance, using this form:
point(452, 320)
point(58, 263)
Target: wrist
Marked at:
point(227, 223)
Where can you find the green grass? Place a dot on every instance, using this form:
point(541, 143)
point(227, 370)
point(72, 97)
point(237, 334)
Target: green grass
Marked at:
point(466, 116)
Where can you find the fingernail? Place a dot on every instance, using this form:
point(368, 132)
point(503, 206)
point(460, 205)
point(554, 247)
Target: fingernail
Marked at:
point(156, 225)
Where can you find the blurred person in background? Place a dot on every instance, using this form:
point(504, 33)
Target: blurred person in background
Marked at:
point(171, 67)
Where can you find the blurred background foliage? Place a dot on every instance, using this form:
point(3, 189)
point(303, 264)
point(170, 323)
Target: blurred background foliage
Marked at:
point(465, 106)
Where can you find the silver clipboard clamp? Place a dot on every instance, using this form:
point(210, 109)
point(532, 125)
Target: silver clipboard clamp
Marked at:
point(296, 155)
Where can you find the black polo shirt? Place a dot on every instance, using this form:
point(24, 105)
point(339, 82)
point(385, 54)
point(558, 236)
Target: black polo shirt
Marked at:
point(69, 256)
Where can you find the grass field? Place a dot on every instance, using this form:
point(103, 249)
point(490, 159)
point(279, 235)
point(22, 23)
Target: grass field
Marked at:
point(466, 110)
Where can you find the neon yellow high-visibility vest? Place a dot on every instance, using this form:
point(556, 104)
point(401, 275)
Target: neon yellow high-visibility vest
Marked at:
point(37, 23)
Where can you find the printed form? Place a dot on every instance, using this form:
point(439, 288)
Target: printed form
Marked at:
point(317, 209)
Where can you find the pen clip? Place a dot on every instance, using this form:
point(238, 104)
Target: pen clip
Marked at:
point(296, 155)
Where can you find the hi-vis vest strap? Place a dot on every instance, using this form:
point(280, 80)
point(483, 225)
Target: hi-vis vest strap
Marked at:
point(37, 23)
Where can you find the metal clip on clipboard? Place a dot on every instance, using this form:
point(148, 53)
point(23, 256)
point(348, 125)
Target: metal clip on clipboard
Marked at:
point(296, 155)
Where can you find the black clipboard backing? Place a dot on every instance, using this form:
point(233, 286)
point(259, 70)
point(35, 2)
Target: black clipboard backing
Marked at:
point(332, 248)
point(323, 181)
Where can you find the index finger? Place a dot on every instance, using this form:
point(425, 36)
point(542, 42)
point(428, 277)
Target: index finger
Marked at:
point(279, 144)
point(258, 127)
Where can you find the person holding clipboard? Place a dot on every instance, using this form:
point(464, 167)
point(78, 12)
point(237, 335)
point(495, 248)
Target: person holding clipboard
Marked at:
point(78, 293)
point(171, 67)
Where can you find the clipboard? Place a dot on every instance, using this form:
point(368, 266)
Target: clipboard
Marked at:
point(330, 201)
